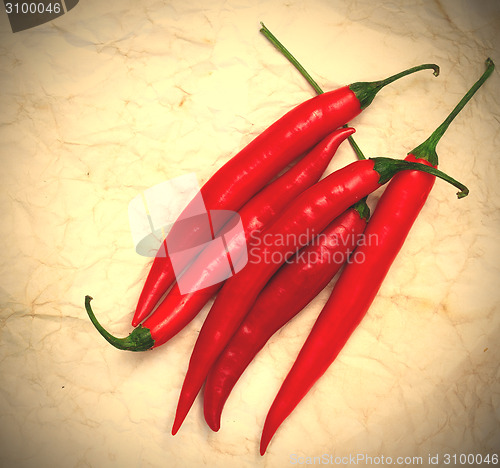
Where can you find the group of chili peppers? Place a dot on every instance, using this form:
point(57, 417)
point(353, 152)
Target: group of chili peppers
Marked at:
point(316, 222)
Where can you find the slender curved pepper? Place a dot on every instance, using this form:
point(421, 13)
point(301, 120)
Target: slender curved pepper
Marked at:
point(178, 309)
point(359, 283)
point(249, 170)
point(311, 212)
point(293, 286)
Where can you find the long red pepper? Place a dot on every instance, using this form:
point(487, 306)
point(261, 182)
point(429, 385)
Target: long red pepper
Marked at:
point(359, 283)
point(311, 212)
point(293, 286)
point(177, 309)
point(249, 170)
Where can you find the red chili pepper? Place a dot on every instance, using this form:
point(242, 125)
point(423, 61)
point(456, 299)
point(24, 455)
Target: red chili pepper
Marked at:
point(247, 172)
point(178, 309)
point(312, 211)
point(359, 283)
point(296, 284)
point(293, 286)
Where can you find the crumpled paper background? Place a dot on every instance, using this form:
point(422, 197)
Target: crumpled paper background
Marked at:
point(115, 97)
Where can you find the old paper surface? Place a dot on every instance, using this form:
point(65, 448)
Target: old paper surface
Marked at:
point(115, 97)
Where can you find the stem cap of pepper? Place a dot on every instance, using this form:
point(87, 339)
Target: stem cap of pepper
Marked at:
point(139, 340)
point(387, 168)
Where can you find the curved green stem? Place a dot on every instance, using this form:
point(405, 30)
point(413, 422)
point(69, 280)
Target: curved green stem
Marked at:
point(275, 41)
point(427, 150)
point(366, 91)
point(388, 167)
point(139, 340)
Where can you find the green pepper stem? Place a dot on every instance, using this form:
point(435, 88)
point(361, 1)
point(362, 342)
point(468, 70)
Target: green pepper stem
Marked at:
point(275, 41)
point(427, 149)
point(362, 208)
point(388, 167)
point(366, 91)
point(139, 340)
point(355, 147)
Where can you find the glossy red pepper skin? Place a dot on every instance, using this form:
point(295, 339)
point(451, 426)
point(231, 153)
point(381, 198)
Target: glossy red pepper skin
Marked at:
point(248, 172)
point(310, 212)
point(177, 309)
point(354, 291)
point(292, 287)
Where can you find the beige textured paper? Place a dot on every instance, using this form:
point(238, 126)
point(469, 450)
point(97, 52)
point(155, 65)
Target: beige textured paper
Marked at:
point(117, 96)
